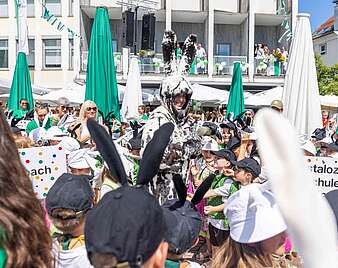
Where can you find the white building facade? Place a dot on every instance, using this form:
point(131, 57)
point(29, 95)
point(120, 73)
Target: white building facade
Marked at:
point(228, 30)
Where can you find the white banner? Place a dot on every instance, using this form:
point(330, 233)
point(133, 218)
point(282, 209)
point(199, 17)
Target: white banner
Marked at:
point(325, 173)
point(44, 165)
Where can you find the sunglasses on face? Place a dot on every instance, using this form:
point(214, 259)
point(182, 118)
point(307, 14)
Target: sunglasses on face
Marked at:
point(91, 108)
point(23, 103)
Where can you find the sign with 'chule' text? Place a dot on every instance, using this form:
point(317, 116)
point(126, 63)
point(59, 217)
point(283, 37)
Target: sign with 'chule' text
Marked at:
point(44, 165)
point(325, 173)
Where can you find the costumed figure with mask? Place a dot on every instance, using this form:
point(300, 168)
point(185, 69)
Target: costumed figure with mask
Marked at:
point(175, 92)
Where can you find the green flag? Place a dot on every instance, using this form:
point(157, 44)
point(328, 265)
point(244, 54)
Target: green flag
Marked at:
point(101, 83)
point(21, 85)
point(236, 98)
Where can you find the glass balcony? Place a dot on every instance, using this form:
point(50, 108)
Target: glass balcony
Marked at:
point(223, 65)
point(117, 61)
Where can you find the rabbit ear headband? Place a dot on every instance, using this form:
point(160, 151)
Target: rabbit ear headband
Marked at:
point(150, 161)
point(169, 45)
point(310, 221)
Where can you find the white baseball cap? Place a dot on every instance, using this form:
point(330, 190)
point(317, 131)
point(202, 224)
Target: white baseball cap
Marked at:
point(54, 134)
point(210, 145)
point(253, 215)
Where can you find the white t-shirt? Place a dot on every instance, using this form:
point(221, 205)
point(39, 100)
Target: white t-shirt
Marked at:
point(73, 258)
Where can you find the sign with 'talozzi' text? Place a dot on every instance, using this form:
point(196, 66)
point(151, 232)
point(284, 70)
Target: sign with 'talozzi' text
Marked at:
point(44, 165)
point(325, 171)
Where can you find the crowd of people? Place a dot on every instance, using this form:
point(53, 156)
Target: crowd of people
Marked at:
point(167, 189)
point(271, 62)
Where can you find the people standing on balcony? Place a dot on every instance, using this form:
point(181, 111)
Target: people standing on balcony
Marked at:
point(285, 55)
point(201, 56)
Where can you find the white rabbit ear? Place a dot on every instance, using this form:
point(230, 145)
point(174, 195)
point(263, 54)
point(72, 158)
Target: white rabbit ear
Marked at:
point(311, 223)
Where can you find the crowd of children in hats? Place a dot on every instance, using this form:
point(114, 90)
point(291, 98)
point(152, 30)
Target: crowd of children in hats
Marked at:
point(108, 210)
point(105, 217)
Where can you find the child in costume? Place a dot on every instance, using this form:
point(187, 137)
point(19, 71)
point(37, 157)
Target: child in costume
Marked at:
point(67, 203)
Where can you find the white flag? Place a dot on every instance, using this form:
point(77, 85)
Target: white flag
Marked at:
point(22, 27)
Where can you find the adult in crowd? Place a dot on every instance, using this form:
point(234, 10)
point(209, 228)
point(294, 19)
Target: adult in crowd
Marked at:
point(142, 113)
point(24, 238)
point(88, 110)
point(63, 118)
point(277, 105)
point(23, 110)
point(41, 119)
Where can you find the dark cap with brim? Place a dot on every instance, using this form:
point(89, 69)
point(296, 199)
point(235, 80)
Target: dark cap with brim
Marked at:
point(332, 198)
point(184, 224)
point(127, 223)
point(332, 146)
point(228, 124)
point(70, 192)
point(249, 165)
point(319, 134)
point(226, 154)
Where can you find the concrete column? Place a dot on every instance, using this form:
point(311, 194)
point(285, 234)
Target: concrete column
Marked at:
point(125, 62)
point(251, 46)
point(38, 58)
point(211, 29)
point(294, 14)
point(77, 41)
point(168, 15)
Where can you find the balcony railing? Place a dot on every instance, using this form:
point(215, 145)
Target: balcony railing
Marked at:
point(270, 67)
point(151, 65)
point(223, 65)
point(117, 61)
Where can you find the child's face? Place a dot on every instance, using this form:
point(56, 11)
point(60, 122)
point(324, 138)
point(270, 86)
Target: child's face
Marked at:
point(243, 176)
point(221, 163)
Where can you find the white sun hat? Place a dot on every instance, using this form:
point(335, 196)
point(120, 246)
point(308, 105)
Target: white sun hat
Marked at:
point(54, 134)
point(253, 215)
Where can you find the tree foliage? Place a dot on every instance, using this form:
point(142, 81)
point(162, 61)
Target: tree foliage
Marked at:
point(327, 77)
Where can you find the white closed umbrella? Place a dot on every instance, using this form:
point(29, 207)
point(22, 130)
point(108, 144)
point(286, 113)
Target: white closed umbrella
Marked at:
point(301, 94)
point(133, 93)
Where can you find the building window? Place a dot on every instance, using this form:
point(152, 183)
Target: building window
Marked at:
point(4, 53)
point(54, 6)
point(223, 49)
point(30, 8)
point(71, 54)
point(31, 55)
point(114, 44)
point(71, 7)
point(3, 8)
point(323, 49)
point(52, 53)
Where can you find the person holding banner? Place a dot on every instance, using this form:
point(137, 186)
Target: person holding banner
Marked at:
point(41, 119)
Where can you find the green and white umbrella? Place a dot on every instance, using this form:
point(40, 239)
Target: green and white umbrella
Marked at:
point(236, 99)
point(101, 82)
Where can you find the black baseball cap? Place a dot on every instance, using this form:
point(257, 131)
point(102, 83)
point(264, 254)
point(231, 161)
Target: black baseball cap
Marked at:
point(226, 154)
point(228, 124)
point(332, 198)
point(127, 223)
point(70, 192)
point(319, 134)
point(249, 165)
point(333, 146)
point(184, 224)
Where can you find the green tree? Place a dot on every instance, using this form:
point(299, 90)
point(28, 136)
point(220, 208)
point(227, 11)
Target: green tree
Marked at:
point(327, 77)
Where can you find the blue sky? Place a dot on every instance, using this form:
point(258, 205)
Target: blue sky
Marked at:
point(320, 10)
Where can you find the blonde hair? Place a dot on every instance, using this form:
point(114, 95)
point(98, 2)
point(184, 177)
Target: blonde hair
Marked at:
point(84, 107)
point(236, 255)
point(23, 142)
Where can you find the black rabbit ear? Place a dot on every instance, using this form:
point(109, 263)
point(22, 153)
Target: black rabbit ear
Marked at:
point(153, 154)
point(201, 191)
point(108, 150)
point(169, 44)
point(180, 187)
point(188, 52)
